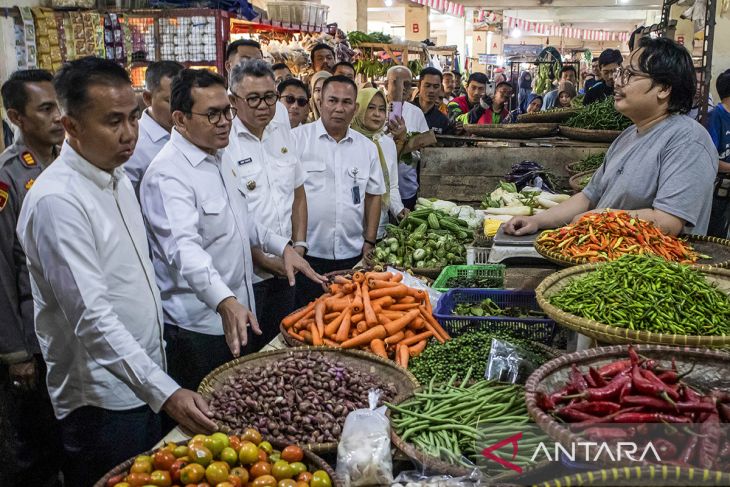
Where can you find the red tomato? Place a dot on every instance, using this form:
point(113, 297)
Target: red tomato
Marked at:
point(263, 457)
point(138, 479)
point(114, 480)
point(175, 470)
point(235, 442)
point(163, 459)
point(265, 481)
point(259, 469)
point(160, 478)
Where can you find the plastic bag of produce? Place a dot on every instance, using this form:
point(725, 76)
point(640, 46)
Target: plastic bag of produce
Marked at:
point(412, 281)
point(363, 455)
point(510, 363)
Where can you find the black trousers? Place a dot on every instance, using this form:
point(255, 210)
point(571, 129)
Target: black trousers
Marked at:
point(410, 203)
point(30, 433)
point(275, 299)
point(308, 291)
point(191, 356)
point(719, 225)
point(95, 440)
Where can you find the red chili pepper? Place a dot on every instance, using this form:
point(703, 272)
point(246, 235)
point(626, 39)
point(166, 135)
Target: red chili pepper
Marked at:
point(660, 405)
point(669, 377)
point(665, 448)
point(614, 368)
point(685, 458)
point(709, 444)
point(571, 415)
point(597, 378)
point(625, 391)
point(544, 401)
point(633, 356)
point(577, 382)
point(558, 397)
point(607, 433)
point(690, 395)
point(661, 386)
point(597, 408)
point(589, 380)
point(649, 418)
point(649, 364)
point(610, 391)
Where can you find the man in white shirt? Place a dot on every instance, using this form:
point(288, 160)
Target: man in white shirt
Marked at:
point(98, 312)
point(271, 179)
point(156, 121)
point(201, 232)
point(344, 183)
point(400, 80)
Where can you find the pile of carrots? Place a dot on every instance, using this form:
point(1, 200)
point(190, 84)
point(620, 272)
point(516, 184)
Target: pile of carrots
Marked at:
point(373, 311)
point(600, 237)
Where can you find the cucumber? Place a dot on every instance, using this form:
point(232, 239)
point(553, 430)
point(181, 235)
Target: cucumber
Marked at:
point(433, 222)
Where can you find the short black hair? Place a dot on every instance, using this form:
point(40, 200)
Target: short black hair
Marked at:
point(568, 67)
point(278, 66)
point(480, 78)
point(73, 80)
point(296, 83)
point(430, 71)
point(610, 56)
point(13, 90)
point(504, 83)
point(158, 70)
point(233, 46)
point(670, 64)
point(344, 63)
point(339, 79)
point(632, 39)
point(318, 47)
point(723, 84)
point(181, 97)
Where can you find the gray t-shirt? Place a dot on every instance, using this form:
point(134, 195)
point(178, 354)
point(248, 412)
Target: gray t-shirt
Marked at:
point(671, 168)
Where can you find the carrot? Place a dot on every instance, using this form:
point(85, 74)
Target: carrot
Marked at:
point(377, 309)
point(417, 338)
point(384, 302)
point(337, 304)
point(397, 325)
point(307, 336)
point(396, 292)
point(393, 315)
point(330, 343)
point(316, 337)
point(302, 325)
point(341, 280)
point(419, 294)
point(403, 307)
point(319, 309)
point(428, 304)
point(357, 304)
point(296, 336)
point(365, 337)
point(392, 339)
point(416, 349)
point(358, 277)
point(331, 316)
point(384, 320)
point(380, 276)
point(418, 324)
point(356, 318)
point(334, 325)
point(375, 284)
point(378, 348)
point(344, 330)
point(435, 324)
point(403, 354)
point(407, 300)
point(410, 333)
point(335, 288)
point(297, 315)
point(348, 288)
point(397, 278)
point(362, 327)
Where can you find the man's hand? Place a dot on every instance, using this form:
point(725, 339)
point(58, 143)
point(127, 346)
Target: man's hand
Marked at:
point(397, 128)
point(403, 214)
point(300, 251)
point(25, 374)
point(236, 318)
point(190, 411)
point(294, 262)
point(521, 225)
point(366, 247)
point(459, 128)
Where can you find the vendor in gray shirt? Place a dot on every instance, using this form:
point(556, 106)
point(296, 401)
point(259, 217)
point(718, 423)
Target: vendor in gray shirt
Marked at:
point(662, 168)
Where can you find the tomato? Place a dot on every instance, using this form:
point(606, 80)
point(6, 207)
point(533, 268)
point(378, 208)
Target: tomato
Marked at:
point(250, 434)
point(292, 453)
point(302, 484)
point(180, 451)
point(217, 472)
point(192, 473)
point(175, 469)
point(138, 479)
point(229, 456)
point(142, 464)
point(215, 444)
point(161, 478)
point(265, 481)
point(297, 468)
point(248, 454)
point(163, 460)
point(260, 468)
point(117, 479)
point(266, 446)
point(304, 477)
point(224, 484)
point(122, 484)
point(234, 481)
point(203, 484)
point(234, 442)
point(274, 457)
point(281, 470)
point(320, 478)
point(196, 439)
point(241, 473)
point(262, 456)
point(287, 483)
point(201, 455)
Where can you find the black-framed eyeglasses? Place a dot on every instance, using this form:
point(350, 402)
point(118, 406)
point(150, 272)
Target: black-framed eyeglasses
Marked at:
point(254, 101)
point(624, 75)
point(291, 99)
point(214, 116)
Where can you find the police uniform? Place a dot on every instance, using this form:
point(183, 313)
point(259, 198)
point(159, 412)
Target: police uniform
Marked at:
point(37, 438)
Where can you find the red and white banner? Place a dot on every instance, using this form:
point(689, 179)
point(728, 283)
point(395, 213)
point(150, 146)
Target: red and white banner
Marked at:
point(553, 30)
point(445, 6)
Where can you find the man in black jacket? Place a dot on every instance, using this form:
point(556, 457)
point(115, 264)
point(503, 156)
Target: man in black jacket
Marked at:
point(608, 62)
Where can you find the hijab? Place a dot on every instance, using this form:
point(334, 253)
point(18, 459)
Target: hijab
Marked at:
point(364, 97)
point(567, 87)
point(526, 102)
point(319, 75)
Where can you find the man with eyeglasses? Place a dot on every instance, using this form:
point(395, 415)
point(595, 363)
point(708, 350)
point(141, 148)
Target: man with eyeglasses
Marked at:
point(294, 95)
point(271, 178)
point(201, 232)
point(608, 63)
point(662, 168)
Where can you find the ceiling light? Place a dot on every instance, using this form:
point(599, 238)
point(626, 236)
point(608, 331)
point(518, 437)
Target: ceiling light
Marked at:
point(516, 33)
point(388, 3)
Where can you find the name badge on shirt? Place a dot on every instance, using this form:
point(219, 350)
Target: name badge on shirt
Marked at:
point(355, 187)
point(247, 160)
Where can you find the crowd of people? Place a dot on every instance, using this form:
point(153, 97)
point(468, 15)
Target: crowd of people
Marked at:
point(143, 248)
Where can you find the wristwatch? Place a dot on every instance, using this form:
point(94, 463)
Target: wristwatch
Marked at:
point(370, 242)
point(302, 244)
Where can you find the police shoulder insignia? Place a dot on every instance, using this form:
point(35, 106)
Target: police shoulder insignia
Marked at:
point(4, 195)
point(29, 183)
point(28, 159)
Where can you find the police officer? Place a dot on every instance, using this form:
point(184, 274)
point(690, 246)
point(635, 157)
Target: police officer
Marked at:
point(30, 100)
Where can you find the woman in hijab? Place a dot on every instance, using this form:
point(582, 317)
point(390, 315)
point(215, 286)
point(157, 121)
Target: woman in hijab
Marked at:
point(370, 120)
point(566, 93)
point(315, 87)
point(531, 104)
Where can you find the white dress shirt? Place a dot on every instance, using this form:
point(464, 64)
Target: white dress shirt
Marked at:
point(396, 204)
point(269, 171)
point(199, 228)
point(334, 169)
point(152, 138)
point(98, 313)
point(408, 176)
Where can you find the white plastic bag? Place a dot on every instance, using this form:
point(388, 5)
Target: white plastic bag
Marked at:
point(363, 454)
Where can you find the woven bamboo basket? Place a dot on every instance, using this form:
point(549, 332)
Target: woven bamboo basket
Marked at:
point(570, 168)
point(707, 369)
point(513, 130)
point(575, 180)
point(588, 135)
point(717, 248)
point(310, 459)
point(607, 333)
point(549, 116)
point(648, 475)
point(404, 381)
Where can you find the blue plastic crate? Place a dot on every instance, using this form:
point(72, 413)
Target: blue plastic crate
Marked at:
point(541, 330)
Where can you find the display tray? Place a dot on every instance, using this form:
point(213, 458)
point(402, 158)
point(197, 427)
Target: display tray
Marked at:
point(717, 248)
point(588, 135)
point(403, 381)
point(548, 116)
point(607, 333)
point(513, 130)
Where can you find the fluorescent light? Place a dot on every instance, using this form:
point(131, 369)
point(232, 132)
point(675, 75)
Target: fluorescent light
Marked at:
point(388, 3)
point(516, 33)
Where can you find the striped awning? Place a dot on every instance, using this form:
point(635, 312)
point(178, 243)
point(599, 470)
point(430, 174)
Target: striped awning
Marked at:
point(445, 6)
point(555, 30)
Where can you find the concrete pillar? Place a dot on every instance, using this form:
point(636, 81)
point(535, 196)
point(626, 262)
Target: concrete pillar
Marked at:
point(417, 22)
point(720, 52)
point(362, 15)
point(479, 46)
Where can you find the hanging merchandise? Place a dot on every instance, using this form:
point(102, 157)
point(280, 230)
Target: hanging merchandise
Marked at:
point(47, 41)
point(114, 39)
point(8, 64)
point(188, 39)
point(25, 46)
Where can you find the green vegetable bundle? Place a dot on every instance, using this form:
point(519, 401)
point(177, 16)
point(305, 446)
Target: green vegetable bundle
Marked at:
point(600, 115)
point(487, 307)
point(356, 37)
point(647, 293)
point(589, 163)
point(440, 361)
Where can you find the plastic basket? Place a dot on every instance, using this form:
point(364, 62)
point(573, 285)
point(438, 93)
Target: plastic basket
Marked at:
point(296, 12)
point(493, 271)
point(477, 255)
point(537, 329)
